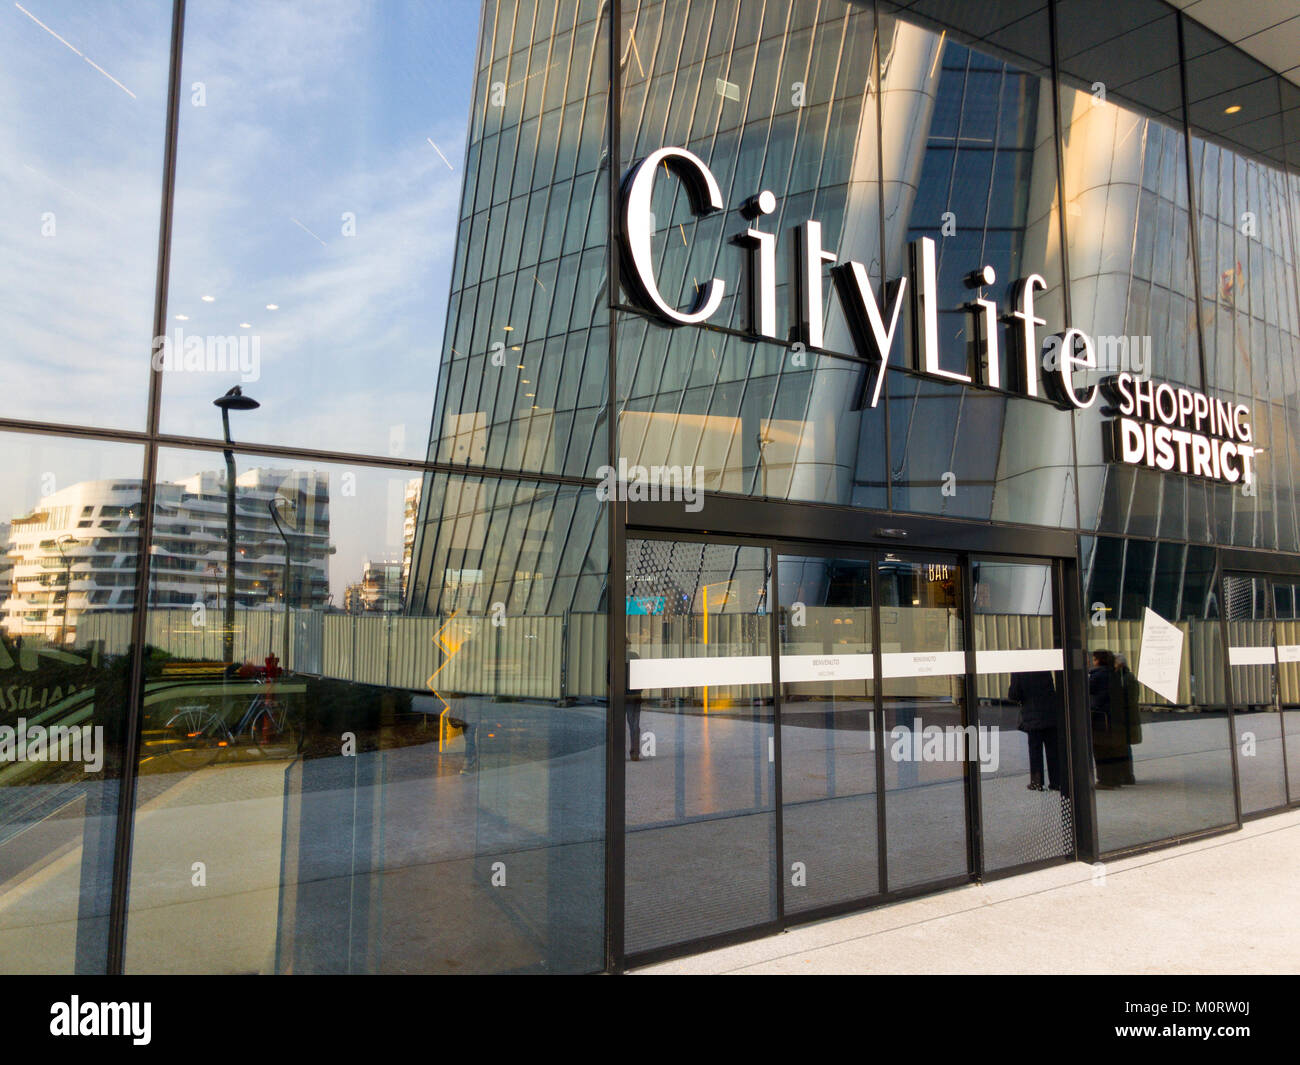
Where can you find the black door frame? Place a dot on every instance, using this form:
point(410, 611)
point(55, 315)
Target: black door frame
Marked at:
point(829, 531)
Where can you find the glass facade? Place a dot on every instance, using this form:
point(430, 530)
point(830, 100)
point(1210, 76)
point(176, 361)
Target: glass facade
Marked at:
point(436, 541)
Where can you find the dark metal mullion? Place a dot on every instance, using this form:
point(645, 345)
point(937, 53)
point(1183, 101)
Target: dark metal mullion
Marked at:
point(1277, 692)
point(878, 725)
point(120, 885)
point(778, 794)
point(1065, 744)
point(971, 770)
point(1078, 721)
point(616, 588)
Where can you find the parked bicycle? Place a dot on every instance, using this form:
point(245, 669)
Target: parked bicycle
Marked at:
point(196, 735)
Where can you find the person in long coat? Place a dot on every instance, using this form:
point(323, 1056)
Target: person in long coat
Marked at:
point(1131, 717)
point(1040, 711)
point(1106, 701)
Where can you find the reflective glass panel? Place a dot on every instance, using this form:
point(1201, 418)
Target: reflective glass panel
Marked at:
point(84, 91)
point(377, 744)
point(924, 687)
point(1025, 803)
point(69, 551)
point(829, 801)
point(700, 813)
point(1252, 661)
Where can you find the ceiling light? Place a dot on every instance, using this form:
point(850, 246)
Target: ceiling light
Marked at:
point(182, 317)
point(272, 306)
point(245, 325)
point(209, 299)
point(1232, 110)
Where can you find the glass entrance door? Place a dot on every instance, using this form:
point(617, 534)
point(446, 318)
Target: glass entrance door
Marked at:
point(700, 793)
point(923, 694)
point(1253, 669)
point(830, 806)
point(862, 774)
point(1025, 809)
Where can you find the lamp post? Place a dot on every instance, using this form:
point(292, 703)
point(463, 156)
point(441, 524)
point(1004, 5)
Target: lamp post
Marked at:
point(274, 505)
point(232, 400)
point(60, 543)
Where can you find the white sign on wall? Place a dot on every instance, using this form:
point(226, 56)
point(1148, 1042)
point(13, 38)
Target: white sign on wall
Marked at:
point(1160, 658)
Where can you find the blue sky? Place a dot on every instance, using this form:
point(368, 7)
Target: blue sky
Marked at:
point(310, 110)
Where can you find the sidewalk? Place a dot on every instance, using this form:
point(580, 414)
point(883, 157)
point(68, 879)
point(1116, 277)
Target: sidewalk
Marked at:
point(1230, 904)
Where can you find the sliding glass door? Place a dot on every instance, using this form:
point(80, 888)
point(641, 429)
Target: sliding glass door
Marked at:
point(830, 808)
point(701, 778)
point(801, 736)
point(1253, 657)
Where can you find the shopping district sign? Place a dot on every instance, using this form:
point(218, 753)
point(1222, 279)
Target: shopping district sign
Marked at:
point(1148, 423)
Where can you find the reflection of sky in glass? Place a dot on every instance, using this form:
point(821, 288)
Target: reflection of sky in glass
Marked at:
point(314, 112)
point(83, 89)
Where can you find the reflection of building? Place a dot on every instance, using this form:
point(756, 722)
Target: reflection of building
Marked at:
point(980, 135)
point(76, 551)
point(378, 592)
point(6, 563)
point(410, 519)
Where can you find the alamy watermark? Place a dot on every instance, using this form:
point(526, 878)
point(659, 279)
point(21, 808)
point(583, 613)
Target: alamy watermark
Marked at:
point(78, 1018)
point(1113, 354)
point(209, 354)
point(53, 743)
point(652, 484)
point(920, 742)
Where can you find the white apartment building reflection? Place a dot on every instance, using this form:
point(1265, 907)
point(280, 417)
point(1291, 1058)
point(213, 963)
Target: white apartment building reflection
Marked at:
point(75, 552)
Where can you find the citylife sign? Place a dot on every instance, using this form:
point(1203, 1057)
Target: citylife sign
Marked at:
point(1159, 426)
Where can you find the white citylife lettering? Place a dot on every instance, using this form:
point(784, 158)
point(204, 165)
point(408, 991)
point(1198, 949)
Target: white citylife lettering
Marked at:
point(1159, 425)
point(871, 336)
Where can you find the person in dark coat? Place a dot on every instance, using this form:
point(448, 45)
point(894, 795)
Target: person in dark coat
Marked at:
point(1040, 711)
point(1110, 747)
point(1132, 716)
